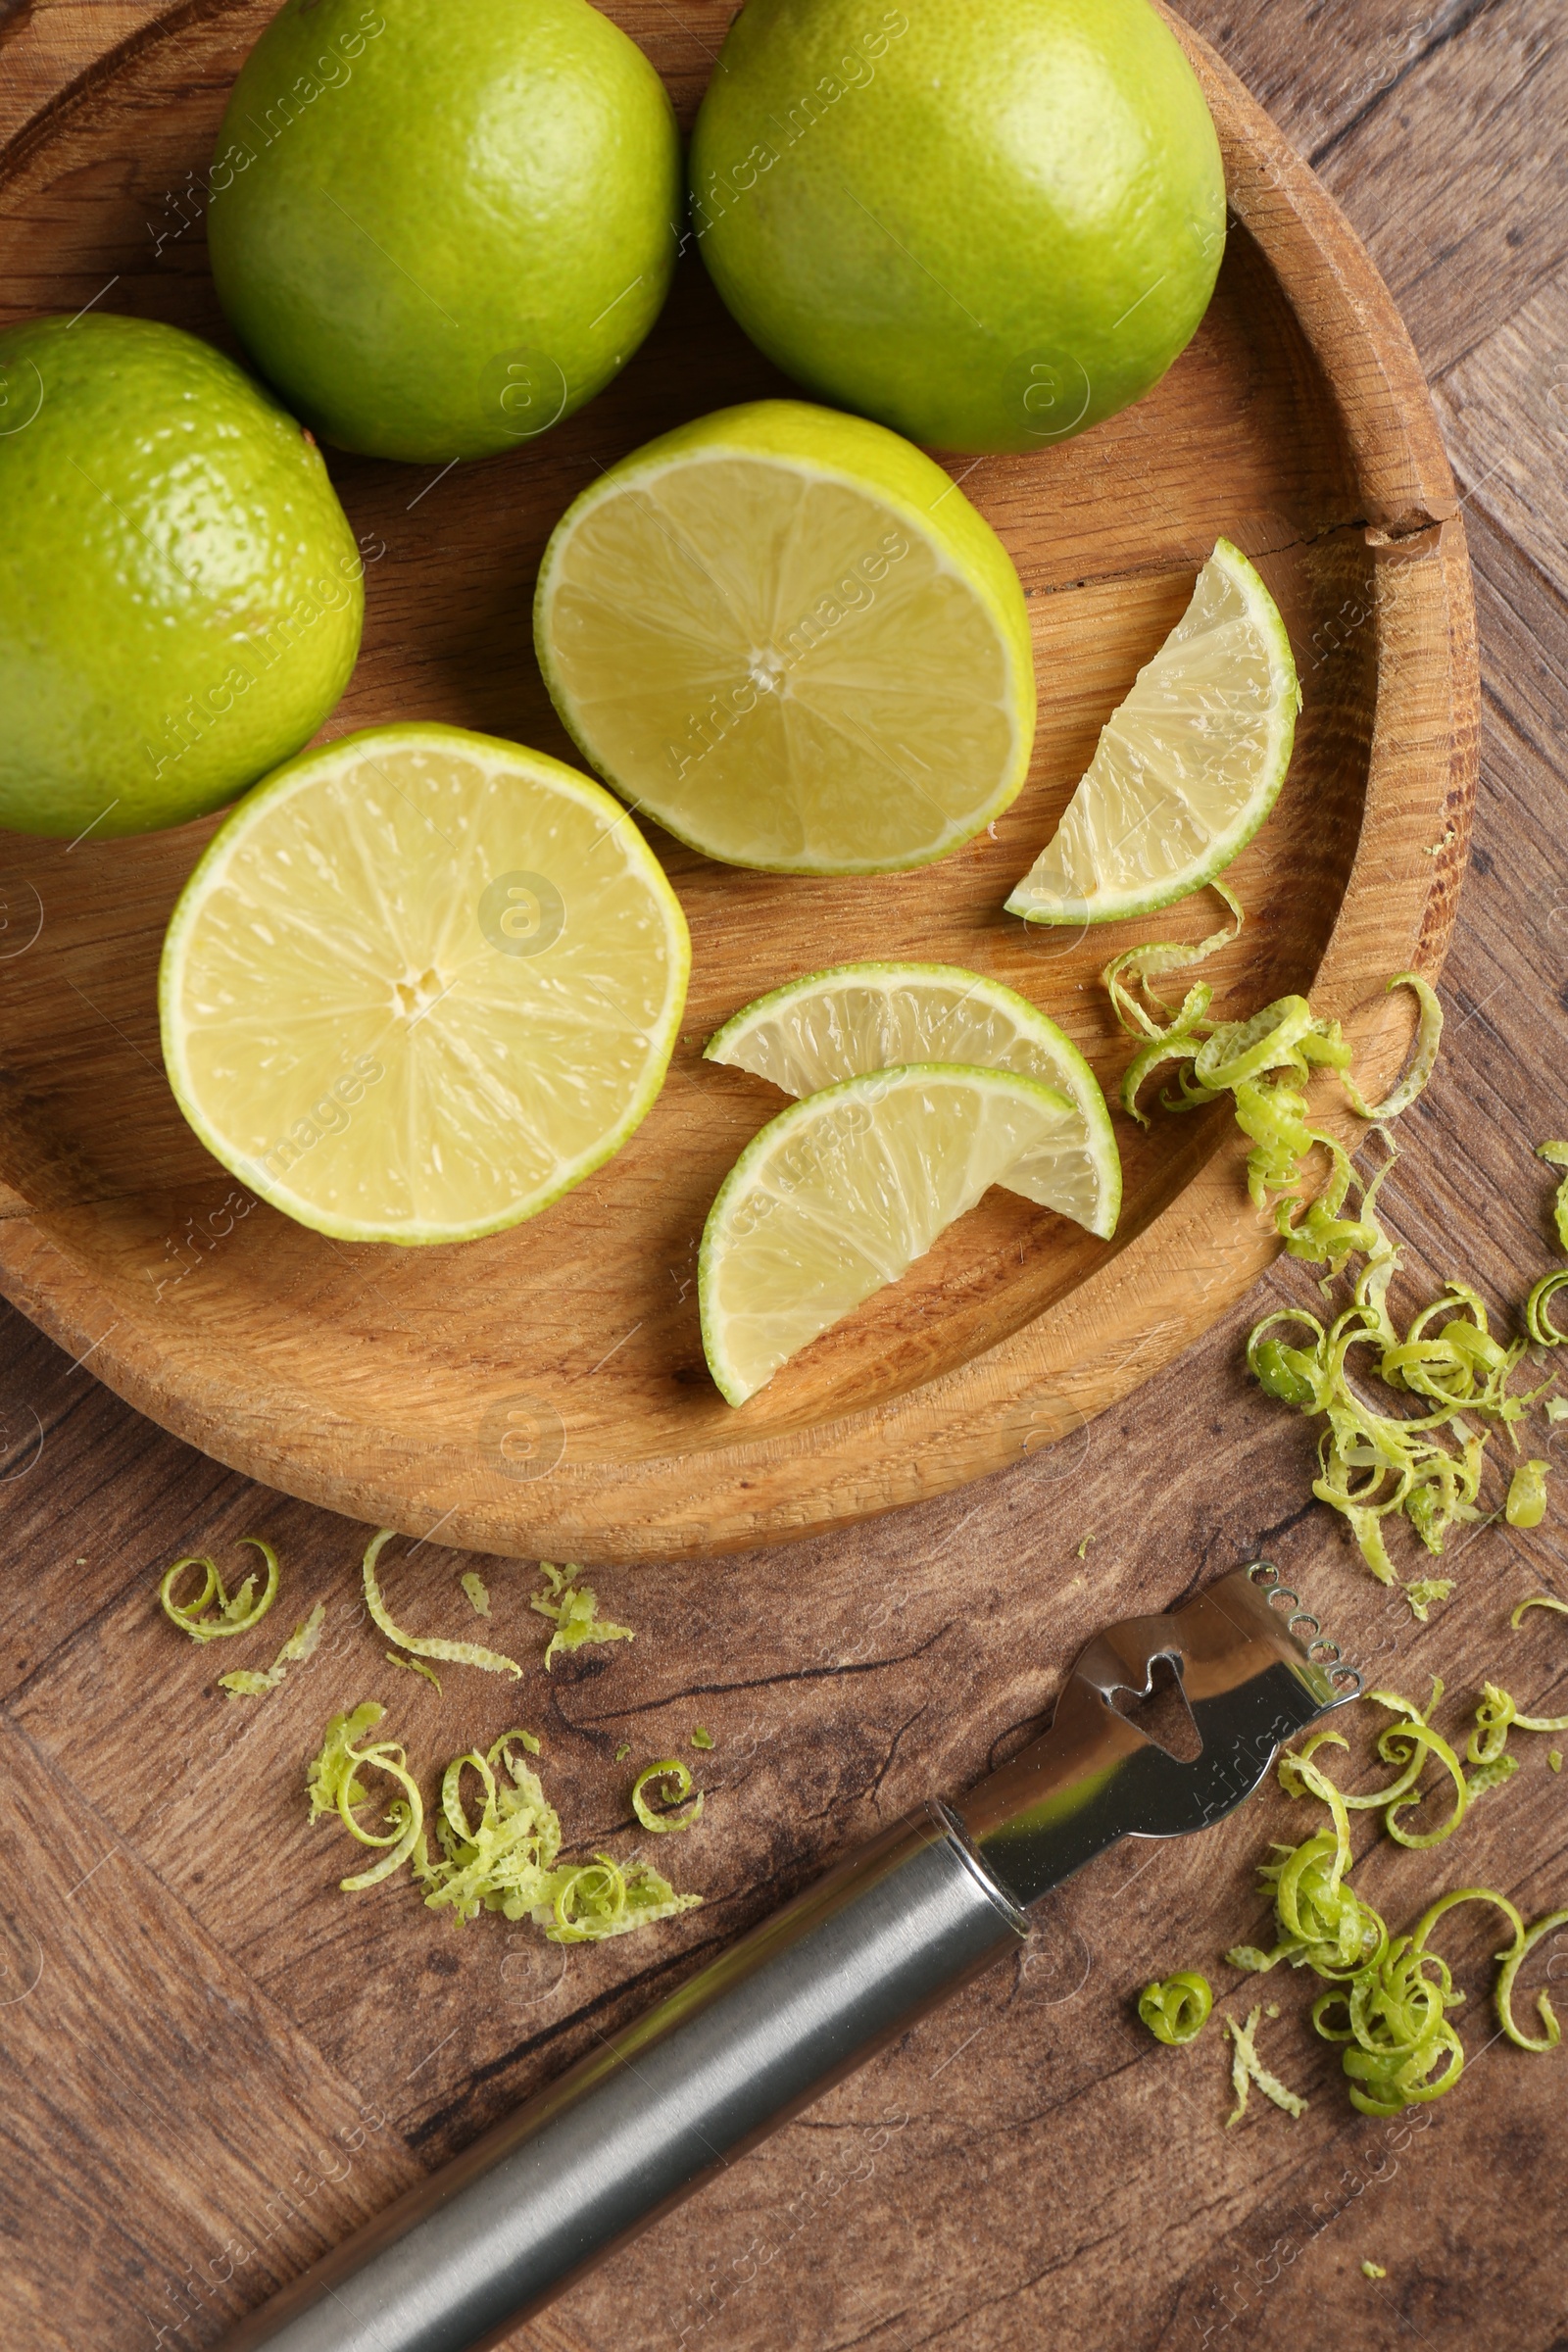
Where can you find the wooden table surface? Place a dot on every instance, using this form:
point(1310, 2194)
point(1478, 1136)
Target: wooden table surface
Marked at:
point(212, 2063)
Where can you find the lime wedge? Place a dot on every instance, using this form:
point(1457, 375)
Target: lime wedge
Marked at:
point(788, 636)
point(855, 1017)
point(1185, 769)
point(841, 1193)
point(420, 983)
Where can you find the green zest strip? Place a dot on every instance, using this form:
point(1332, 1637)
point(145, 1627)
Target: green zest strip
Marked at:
point(477, 1591)
point(335, 1786)
point(1537, 1322)
point(1176, 2010)
point(300, 1645)
point(1557, 1156)
point(237, 1616)
point(1538, 1600)
point(395, 1657)
point(573, 1610)
point(1247, 2067)
point(671, 1769)
point(1428, 1037)
point(421, 1646)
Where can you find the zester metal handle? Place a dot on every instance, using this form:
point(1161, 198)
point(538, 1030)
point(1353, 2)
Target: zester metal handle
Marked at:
point(803, 1999)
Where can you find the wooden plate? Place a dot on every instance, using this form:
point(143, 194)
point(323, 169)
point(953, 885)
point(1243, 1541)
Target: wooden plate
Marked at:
point(544, 1391)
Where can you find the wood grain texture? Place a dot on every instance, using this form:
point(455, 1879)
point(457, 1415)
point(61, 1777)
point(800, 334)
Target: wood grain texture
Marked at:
point(385, 1383)
point(1028, 2170)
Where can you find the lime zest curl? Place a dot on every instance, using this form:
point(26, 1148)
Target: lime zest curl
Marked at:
point(573, 1610)
point(600, 1899)
point(1555, 1155)
point(1177, 2009)
point(1142, 1013)
point(1538, 1600)
point(234, 1616)
point(1537, 1722)
point(1428, 1039)
point(335, 1786)
point(1537, 1322)
point(424, 1646)
point(477, 1591)
point(670, 1769)
point(301, 1644)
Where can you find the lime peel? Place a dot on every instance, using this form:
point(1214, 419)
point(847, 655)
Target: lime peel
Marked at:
point(236, 1615)
point(1247, 2068)
point(673, 1770)
point(573, 1610)
point(335, 1786)
point(395, 1657)
point(1392, 1993)
point(1176, 2009)
point(424, 1646)
point(300, 1645)
point(1526, 1506)
point(1372, 1465)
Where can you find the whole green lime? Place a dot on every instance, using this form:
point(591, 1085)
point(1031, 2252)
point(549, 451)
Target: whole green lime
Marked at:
point(180, 594)
point(442, 229)
point(987, 225)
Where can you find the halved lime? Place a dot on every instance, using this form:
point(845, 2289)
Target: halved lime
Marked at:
point(787, 635)
point(1185, 769)
point(841, 1193)
point(855, 1017)
point(420, 984)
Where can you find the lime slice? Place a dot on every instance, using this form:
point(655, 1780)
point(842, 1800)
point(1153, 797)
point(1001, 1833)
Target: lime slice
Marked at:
point(421, 983)
point(841, 1193)
point(787, 635)
point(855, 1017)
point(1186, 770)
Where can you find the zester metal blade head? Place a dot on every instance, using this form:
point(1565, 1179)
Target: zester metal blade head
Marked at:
point(1165, 1725)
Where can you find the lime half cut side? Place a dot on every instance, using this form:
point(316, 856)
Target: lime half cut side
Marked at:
point(788, 636)
point(421, 983)
point(841, 1193)
point(1185, 769)
point(855, 1017)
